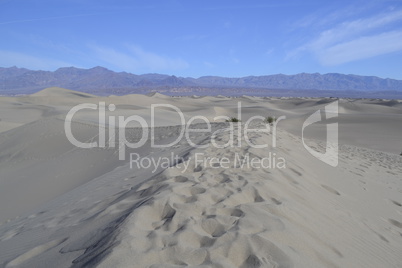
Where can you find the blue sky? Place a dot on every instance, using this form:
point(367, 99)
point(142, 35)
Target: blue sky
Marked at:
point(197, 38)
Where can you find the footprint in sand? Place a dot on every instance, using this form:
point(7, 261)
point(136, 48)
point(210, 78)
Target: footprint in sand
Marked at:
point(198, 168)
point(207, 241)
point(329, 189)
point(395, 223)
point(296, 172)
point(276, 201)
point(258, 198)
point(180, 179)
point(212, 227)
point(197, 190)
point(237, 213)
point(396, 203)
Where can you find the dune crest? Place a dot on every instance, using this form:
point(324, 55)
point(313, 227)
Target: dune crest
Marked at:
point(61, 92)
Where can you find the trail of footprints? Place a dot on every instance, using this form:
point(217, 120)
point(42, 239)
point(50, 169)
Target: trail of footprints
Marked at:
point(208, 217)
point(179, 220)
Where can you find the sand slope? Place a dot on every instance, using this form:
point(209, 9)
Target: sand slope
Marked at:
point(81, 208)
point(300, 216)
point(305, 215)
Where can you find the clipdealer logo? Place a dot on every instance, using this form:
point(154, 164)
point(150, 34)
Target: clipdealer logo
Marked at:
point(111, 124)
point(120, 123)
point(330, 156)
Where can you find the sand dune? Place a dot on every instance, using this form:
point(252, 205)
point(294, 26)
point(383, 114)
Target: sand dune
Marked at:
point(74, 207)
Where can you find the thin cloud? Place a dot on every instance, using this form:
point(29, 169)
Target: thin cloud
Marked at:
point(209, 64)
point(354, 28)
point(354, 40)
point(154, 61)
point(118, 59)
point(136, 59)
point(269, 52)
point(11, 58)
point(326, 16)
point(253, 6)
point(362, 48)
point(51, 18)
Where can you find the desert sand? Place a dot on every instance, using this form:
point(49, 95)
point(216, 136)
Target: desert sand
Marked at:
point(64, 206)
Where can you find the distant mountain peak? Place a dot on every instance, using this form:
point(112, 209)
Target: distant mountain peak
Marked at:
point(99, 68)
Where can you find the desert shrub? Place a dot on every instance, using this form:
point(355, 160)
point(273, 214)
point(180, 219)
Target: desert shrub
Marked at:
point(233, 119)
point(270, 119)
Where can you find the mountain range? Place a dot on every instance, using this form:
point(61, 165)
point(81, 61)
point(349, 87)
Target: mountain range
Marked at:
point(15, 80)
